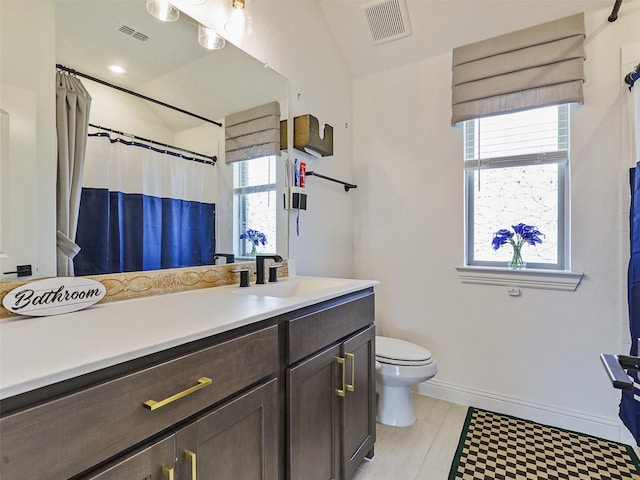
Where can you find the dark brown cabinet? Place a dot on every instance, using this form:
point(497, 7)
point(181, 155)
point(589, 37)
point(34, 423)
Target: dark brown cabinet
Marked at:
point(236, 440)
point(313, 414)
point(331, 399)
point(153, 462)
point(358, 418)
point(85, 427)
point(289, 397)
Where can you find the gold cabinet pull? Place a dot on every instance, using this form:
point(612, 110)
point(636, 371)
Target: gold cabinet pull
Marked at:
point(352, 386)
point(154, 405)
point(168, 472)
point(341, 391)
point(191, 458)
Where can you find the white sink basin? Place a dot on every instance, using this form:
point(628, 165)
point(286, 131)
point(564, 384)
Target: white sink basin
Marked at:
point(293, 287)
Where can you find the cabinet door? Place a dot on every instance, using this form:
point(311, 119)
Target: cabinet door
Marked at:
point(154, 462)
point(359, 421)
point(238, 440)
point(313, 414)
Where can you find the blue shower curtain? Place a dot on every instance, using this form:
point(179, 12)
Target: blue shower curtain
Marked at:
point(143, 209)
point(630, 402)
point(629, 406)
point(120, 232)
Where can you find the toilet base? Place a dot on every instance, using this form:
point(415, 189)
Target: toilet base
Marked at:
point(395, 406)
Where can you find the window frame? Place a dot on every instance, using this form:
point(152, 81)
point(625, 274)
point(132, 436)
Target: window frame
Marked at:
point(240, 206)
point(561, 157)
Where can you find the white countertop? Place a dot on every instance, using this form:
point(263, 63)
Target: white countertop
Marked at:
point(39, 351)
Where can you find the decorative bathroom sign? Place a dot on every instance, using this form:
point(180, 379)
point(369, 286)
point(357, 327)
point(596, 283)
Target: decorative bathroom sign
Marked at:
point(53, 296)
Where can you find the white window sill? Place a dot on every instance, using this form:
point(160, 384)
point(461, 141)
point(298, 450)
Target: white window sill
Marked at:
point(527, 278)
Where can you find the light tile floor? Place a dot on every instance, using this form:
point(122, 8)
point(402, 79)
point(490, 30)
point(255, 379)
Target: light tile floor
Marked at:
point(423, 451)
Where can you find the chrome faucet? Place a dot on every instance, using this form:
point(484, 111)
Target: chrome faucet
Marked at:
point(260, 266)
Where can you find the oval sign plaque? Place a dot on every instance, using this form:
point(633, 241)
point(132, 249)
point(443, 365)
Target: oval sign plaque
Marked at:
point(53, 296)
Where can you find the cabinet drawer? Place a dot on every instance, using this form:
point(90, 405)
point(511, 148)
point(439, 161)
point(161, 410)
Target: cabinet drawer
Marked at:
point(310, 333)
point(63, 437)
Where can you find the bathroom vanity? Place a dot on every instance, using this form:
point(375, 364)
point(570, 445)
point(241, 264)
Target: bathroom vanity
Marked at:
point(266, 382)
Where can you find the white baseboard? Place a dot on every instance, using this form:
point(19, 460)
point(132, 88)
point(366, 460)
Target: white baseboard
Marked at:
point(603, 427)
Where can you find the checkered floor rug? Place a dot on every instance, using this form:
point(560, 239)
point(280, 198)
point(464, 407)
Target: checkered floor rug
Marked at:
point(494, 446)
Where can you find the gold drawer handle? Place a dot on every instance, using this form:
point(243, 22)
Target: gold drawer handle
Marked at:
point(153, 405)
point(352, 387)
point(191, 457)
point(168, 472)
point(341, 391)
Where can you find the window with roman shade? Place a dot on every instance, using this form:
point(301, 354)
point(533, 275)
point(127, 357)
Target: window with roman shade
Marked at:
point(253, 133)
point(534, 67)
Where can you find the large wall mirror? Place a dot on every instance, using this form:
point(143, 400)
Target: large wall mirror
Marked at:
point(163, 61)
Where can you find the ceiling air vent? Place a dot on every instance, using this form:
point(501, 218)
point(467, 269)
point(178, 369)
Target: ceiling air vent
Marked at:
point(133, 33)
point(388, 20)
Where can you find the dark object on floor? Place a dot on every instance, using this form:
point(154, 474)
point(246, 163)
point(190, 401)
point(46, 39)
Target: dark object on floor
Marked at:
point(494, 446)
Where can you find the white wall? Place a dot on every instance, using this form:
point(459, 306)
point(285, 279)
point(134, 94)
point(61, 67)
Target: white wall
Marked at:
point(28, 62)
point(536, 355)
point(299, 47)
point(292, 38)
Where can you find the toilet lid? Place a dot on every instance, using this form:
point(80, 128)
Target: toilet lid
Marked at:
point(394, 350)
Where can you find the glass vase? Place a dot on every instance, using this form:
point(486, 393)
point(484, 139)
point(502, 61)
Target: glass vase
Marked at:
point(516, 262)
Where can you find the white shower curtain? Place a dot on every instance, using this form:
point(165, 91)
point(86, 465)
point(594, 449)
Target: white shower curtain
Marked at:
point(132, 169)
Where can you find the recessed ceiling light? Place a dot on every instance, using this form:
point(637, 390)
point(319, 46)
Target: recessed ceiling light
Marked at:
point(117, 69)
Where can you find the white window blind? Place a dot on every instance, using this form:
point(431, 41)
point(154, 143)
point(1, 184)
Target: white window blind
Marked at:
point(523, 138)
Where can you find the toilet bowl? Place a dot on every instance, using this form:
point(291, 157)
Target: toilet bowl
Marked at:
point(399, 366)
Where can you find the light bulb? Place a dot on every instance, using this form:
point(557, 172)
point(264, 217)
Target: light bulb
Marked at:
point(163, 10)
point(239, 25)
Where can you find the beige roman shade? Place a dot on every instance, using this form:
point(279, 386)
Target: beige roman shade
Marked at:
point(538, 66)
point(253, 133)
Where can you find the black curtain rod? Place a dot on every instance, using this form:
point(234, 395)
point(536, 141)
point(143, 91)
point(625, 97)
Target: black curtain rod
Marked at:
point(347, 186)
point(614, 13)
point(130, 92)
point(208, 159)
point(632, 77)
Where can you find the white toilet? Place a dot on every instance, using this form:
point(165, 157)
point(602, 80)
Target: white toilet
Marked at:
point(399, 366)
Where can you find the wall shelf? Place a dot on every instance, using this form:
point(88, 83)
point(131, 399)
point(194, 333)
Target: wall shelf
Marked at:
point(306, 136)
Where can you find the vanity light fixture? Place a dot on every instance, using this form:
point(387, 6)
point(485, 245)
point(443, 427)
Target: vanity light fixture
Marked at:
point(163, 10)
point(208, 38)
point(240, 24)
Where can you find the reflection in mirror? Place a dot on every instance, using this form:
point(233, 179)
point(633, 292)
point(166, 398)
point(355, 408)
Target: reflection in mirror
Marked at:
point(254, 192)
point(164, 61)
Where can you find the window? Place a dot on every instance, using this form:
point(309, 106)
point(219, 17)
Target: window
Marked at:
point(516, 170)
point(254, 202)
